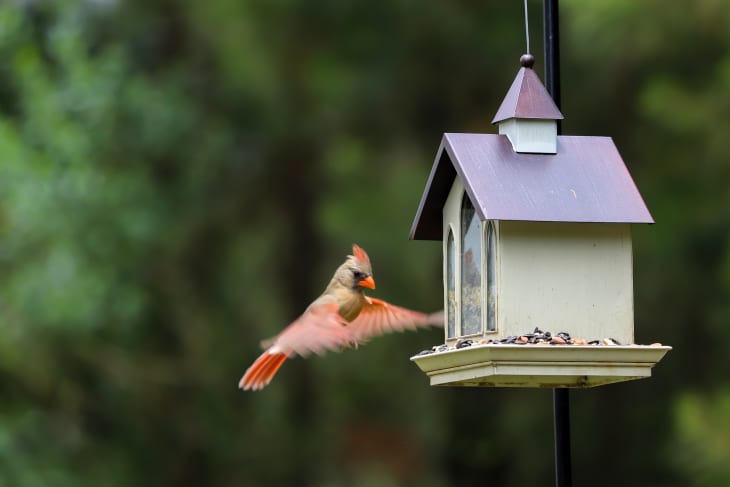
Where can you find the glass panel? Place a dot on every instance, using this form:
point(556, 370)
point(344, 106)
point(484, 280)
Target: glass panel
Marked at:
point(450, 287)
point(491, 277)
point(471, 270)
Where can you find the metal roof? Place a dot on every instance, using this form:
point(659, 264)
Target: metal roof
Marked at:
point(586, 181)
point(527, 98)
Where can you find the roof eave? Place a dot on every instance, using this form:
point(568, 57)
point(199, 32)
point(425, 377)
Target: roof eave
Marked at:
point(427, 224)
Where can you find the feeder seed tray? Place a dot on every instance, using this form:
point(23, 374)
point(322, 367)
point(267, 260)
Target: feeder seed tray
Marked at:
point(540, 365)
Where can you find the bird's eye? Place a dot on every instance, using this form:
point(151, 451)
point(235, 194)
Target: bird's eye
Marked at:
point(359, 275)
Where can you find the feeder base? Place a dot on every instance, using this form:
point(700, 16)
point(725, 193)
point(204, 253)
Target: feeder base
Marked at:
point(539, 365)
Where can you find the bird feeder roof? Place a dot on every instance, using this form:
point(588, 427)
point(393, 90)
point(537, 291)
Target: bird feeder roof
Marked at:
point(527, 98)
point(586, 181)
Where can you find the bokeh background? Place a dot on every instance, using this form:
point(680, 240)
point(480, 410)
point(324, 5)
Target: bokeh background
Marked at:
point(179, 178)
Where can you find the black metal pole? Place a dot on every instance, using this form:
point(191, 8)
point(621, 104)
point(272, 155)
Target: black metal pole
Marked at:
point(551, 31)
point(561, 397)
point(561, 411)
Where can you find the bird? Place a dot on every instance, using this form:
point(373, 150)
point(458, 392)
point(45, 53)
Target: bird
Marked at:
point(342, 317)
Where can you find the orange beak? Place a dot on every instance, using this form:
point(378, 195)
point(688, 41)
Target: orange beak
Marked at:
point(367, 282)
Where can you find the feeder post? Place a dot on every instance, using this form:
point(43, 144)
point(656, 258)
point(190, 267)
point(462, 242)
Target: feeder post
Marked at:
point(552, 51)
point(561, 397)
point(561, 411)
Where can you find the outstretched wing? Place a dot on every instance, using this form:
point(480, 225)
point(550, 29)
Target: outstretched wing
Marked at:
point(378, 317)
point(319, 329)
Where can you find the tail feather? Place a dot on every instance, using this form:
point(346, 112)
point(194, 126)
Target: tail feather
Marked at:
point(262, 371)
point(269, 369)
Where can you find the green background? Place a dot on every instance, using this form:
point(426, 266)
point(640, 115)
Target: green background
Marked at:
point(179, 178)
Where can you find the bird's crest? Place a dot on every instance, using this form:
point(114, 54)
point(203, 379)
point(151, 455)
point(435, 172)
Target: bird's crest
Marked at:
point(360, 254)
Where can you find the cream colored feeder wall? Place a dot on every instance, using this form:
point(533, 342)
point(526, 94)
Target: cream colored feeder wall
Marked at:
point(573, 277)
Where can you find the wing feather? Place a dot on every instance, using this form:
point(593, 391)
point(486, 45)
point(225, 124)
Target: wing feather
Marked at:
point(319, 329)
point(378, 317)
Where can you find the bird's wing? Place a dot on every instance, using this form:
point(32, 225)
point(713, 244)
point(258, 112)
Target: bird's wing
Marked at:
point(378, 317)
point(319, 329)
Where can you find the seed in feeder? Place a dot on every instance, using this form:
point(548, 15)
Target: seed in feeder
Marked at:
point(442, 348)
point(463, 343)
point(656, 344)
point(523, 339)
point(557, 340)
point(483, 341)
point(565, 336)
point(537, 330)
point(609, 341)
point(594, 342)
point(580, 341)
point(424, 352)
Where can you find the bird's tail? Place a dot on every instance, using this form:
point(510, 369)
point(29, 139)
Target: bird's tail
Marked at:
point(261, 371)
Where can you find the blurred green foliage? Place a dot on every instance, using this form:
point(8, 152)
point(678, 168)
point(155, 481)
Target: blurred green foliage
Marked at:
point(178, 179)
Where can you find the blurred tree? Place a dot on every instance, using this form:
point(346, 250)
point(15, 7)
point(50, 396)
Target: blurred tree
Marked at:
point(702, 432)
point(179, 178)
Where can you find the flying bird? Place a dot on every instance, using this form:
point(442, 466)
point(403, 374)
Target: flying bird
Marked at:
point(342, 317)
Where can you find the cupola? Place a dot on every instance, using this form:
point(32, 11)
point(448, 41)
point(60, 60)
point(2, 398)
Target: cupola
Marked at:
point(528, 115)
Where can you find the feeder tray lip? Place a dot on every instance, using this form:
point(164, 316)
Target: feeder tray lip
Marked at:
point(540, 365)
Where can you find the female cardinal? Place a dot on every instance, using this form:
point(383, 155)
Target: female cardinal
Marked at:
point(342, 316)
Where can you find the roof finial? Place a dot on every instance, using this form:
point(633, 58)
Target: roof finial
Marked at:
point(527, 61)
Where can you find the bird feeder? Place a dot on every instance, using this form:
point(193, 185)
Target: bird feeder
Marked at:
point(536, 232)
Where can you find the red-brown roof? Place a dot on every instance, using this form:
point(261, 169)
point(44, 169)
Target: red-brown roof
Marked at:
point(586, 181)
point(527, 98)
